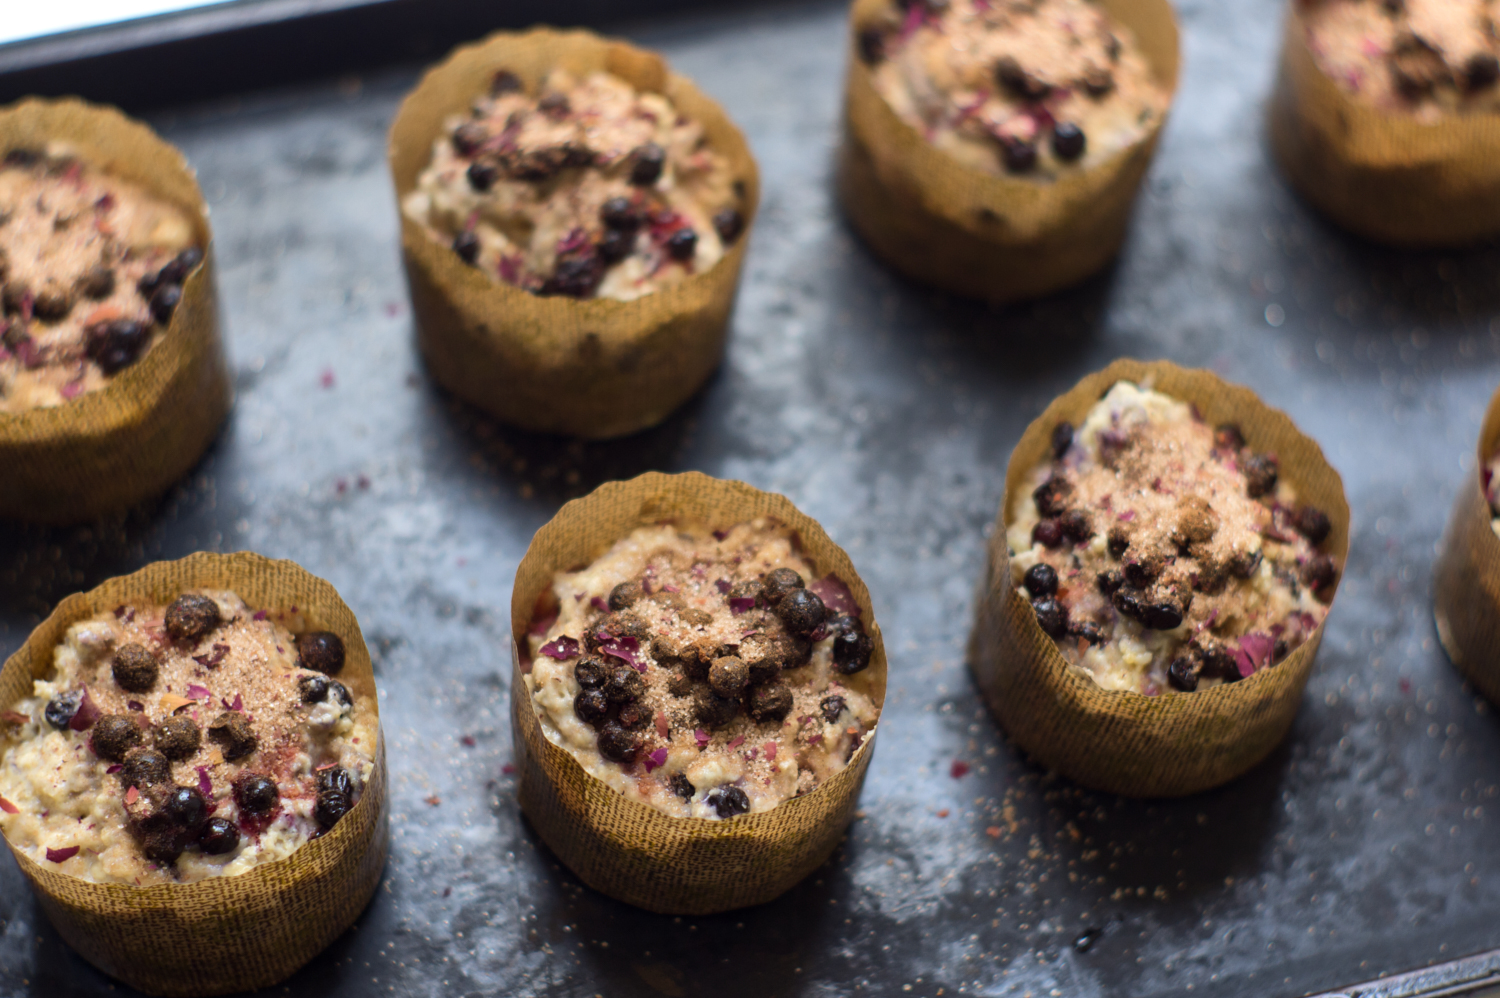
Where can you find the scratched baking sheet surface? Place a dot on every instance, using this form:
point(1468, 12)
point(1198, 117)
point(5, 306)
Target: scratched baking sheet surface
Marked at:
point(1366, 845)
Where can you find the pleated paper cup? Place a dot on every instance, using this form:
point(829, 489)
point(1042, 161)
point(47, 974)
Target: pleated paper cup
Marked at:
point(221, 934)
point(1125, 742)
point(1466, 578)
point(590, 368)
point(133, 438)
point(997, 238)
point(623, 847)
point(1382, 175)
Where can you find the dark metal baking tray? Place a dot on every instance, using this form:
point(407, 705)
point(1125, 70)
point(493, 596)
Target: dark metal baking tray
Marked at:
point(1364, 847)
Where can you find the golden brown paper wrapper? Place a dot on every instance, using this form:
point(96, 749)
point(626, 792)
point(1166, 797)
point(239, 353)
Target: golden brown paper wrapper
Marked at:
point(992, 237)
point(1381, 175)
point(1466, 577)
point(224, 934)
point(142, 431)
point(628, 849)
point(594, 368)
point(1129, 743)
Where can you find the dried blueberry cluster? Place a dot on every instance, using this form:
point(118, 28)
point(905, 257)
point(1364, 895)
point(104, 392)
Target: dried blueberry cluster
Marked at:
point(585, 254)
point(1141, 588)
point(113, 344)
point(1027, 85)
point(167, 819)
point(717, 682)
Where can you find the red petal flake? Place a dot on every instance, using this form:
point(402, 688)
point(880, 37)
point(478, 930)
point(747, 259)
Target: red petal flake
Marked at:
point(136, 706)
point(723, 585)
point(61, 855)
point(114, 769)
point(737, 742)
point(196, 692)
point(769, 748)
point(88, 713)
point(625, 648)
point(8, 807)
point(260, 615)
point(661, 724)
point(701, 737)
point(959, 769)
point(835, 595)
point(1254, 653)
point(562, 648)
point(598, 604)
point(132, 795)
point(541, 625)
point(655, 759)
point(741, 604)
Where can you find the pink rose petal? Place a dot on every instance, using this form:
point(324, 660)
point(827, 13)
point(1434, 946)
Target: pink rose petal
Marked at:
point(737, 742)
point(88, 713)
point(655, 759)
point(701, 737)
point(770, 749)
point(741, 604)
point(260, 615)
point(835, 595)
point(8, 807)
point(112, 770)
point(599, 604)
point(205, 784)
point(61, 855)
point(562, 648)
point(625, 648)
point(723, 585)
point(196, 692)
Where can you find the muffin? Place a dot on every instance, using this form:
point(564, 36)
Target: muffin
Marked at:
point(698, 694)
point(994, 148)
point(574, 219)
point(112, 377)
point(201, 737)
point(1466, 576)
point(1159, 579)
point(1384, 116)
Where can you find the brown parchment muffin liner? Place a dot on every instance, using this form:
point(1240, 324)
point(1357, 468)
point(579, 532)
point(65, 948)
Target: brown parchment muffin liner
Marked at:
point(1382, 175)
point(1124, 742)
point(142, 431)
point(222, 934)
point(590, 368)
point(1466, 577)
point(992, 237)
point(628, 849)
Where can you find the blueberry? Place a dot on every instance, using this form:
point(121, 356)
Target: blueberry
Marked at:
point(177, 737)
point(335, 780)
point(1140, 573)
point(681, 786)
point(801, 611)
point(575, 277)
point(116, 344)
point(682, 245)
point(186, 808)
point(114, 735)
point(1076, 526)
point(1260, 472)
point(219, 837)
point(180, 266)
point(1019, 155)
point(728, 801)
point(1319, 572)
point(481, 175)
point(61, 708)
point(232, 731)
point(713, 711)
point(1052, 616)
point(831, 707)
point(1312, 523)
point(1161, 616)
point(620, 213)
point(646, 164)
point(1048, 533)
point(468, 138)
point(778, 583)
point(1041, 580)
point(624, 685)
point(729, 224)
point(330, 807)
point(1109, 582)
point(1181, 676)
point(340, 692)
point(97, 283)
point(466, 245)
point(135, 668)
point(191, 617)
point(23, 157)
point(165, 301)
point(616, 244)
point(321, 651)
point(1118, 543)
point(871, 45)
point(145, 768)
point(616, 744)
point(1481, 72)
point(505, 82)
point(591, 673)
point(1051, 497)
point(1088, 631)
point(1068, 141)
point(591, 706)
point(635, 715)
point(312, 689)
point(1062, 439)
point(769, 703)
point(852, 647)
point(1013, 77)
point(256, 794)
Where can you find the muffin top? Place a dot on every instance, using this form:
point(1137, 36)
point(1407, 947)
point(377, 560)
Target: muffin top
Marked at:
point(1022, 87)
point(589, 188)
point(178, 742)
point(91, 270)
point(707, 673)
point(1428, 58)
point(1161, 553)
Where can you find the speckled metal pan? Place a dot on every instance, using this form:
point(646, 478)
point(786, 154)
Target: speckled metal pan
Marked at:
point(595, 368)
point(991, 237)
point(628, 849)
point(223, 934)
point(1122, 742)
point(133, 438)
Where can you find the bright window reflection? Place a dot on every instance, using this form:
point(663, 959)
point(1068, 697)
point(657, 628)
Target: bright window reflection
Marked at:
point(30, 19)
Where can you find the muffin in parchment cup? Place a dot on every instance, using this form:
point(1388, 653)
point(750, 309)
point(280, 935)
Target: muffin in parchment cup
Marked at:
point(1408, 159)
point(224, 933)
point(1466, 577)
point(1122, 741)
point(554, 358)
point(130, 439)
point(999, 235)
point(622, 845)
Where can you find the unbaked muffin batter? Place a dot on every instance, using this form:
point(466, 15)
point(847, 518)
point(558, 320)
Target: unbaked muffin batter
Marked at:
point(91, 270)
point(589, 188)
point(1161, 553)
point(1424, 57)
point(707, 673)
point(1022, 87)
point(174, 743)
